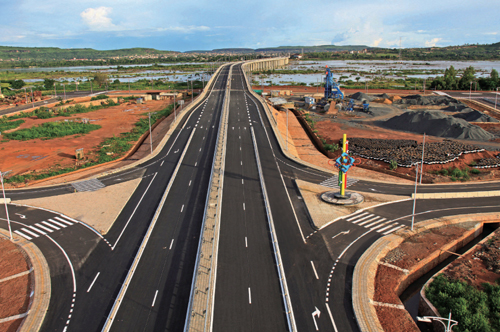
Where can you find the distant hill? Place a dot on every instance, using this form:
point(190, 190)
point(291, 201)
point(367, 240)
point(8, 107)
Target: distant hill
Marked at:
point(54, 53)
point(321, 48)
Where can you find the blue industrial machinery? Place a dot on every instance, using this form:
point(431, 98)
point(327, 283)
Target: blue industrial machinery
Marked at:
point(332, 88)
point(366, 106)
point(350, 106)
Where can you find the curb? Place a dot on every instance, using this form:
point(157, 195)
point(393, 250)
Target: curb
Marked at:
point(363, 286)
point(457, 194)
point(40, 283)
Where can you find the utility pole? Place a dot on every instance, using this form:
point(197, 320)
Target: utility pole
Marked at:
point(414, 197)
point(470, 90)
point(32, 99)
point(496, 97)
point(64, 88)
point(175, 115)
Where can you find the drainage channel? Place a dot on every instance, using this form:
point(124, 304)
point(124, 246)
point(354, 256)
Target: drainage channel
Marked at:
point(411, 296)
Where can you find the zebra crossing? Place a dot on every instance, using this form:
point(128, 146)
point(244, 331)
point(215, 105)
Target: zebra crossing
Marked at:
point(333, 182)
point(88, 185)
point(377, 223)
point(45, 227)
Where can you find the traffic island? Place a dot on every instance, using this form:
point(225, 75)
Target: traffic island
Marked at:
point(350, 198)
point(395, 261)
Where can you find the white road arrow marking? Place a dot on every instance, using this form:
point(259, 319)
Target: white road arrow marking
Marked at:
point(176, 151)
point(344, 232)
point(314, 314)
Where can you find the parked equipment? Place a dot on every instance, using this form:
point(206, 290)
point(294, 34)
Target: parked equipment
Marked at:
point(332, 88)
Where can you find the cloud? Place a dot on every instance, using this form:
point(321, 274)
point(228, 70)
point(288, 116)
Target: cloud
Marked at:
point(491, 33)
point(433, 42)
point(376, 42)
point(97, 19)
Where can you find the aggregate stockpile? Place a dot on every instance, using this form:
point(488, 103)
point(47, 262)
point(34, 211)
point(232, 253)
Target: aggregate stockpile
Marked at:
point(419, 100)
point(408, 152)
point(435, 123)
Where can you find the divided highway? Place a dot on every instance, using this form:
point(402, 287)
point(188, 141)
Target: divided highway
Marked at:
point(138, 277)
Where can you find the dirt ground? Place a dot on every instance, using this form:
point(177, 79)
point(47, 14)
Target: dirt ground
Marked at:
point(14, 293)
point(406, 255)
point(480, 265)
point(22, 157)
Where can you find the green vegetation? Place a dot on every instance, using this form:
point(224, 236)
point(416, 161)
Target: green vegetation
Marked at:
point(99, 97)
point(393, 165)
point(475, 310)
point(456, 174)
point(7, 125)
point(50, 130)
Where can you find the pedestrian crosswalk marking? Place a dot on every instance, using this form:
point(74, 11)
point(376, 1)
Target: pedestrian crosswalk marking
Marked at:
point(357, 216)
point(88, 185)
point(64, 221)
point(44, 228)
point(57, 223)
point(37, 230)
point(50, 225)
point(23, 235)
point(29, 232)
point(333, 182)
point(374, 222)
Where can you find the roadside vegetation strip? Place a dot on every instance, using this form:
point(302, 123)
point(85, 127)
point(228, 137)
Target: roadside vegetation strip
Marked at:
point(8, 125)
point(474, 309)
point(50, 130)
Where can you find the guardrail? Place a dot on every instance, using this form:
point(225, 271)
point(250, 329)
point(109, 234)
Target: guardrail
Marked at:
point(200, 310)
point(277, 254)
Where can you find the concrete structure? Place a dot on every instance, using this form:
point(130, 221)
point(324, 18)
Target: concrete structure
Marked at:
point(266, 64)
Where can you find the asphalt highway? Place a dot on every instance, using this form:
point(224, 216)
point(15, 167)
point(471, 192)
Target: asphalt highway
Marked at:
point(88, 271)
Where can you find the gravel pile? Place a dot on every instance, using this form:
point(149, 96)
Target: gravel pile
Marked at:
point(471, 115)
point(488, 162)
point(408, 152)
point(436, 123)
point(360, 96)
point(427, 100)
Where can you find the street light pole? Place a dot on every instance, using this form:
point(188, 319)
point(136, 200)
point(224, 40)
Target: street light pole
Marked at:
point(6, 209)
point(414, 197)
point(150, 137)
point(175, 115)
point(287, 129)
point(32, 99)
point(64, 88)
point(447, 327)
point(422, 167)
point(470, 90)
point(496, 97)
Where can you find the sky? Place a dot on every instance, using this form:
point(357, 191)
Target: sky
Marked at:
point(185, 25)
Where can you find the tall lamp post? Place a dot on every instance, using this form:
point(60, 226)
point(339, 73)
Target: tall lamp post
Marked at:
point(5, 203)
point(450, 322)
point(470, 90)
point(496, 97)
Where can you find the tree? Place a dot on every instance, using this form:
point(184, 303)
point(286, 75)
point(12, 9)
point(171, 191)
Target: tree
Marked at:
point(48, 83)
point(17, 84)
point(100, 78)
point(467, 77)
point(450, 79)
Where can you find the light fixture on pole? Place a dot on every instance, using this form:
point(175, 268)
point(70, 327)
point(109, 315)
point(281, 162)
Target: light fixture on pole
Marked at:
point(449, 322)
point(5, 203)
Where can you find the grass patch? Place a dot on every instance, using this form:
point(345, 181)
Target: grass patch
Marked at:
point(475, 310)
point(7, 125)
point(50, 130)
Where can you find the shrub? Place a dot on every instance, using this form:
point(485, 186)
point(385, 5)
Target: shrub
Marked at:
point(99, 97)
point(475, 171)
point(50, 130)
point(393, 165)
point(5, 125)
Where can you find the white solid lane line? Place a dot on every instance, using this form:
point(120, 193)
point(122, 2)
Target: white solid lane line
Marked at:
point(92, 284)
point(171, 243)
point(189, 185)
point(314, 269)
point(182, 208)
point(242, 182)
point(243, 206)
point(249, 296)
point(154, 299)
point(162, 163)
point(246, 242)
